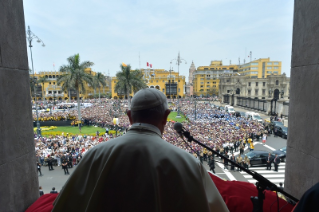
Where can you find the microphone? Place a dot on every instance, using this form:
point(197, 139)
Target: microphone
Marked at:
point(178, 127)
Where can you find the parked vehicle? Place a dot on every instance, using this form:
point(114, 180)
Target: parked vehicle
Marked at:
point(281, 153)
point(229, 109)
point(281, 131)
point(258, 157)
point(275, 123)
point(254, 116)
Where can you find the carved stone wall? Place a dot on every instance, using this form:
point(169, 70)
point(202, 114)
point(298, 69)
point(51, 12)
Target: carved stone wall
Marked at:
point(302, 166)
point(18, 174)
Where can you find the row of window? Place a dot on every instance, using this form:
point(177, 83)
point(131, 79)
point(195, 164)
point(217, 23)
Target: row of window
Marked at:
point(256, 92)
point(207, 82)
point(274, 67)
point(264, 83)
point(218, 68)
point(208, 86)
point(51, 92)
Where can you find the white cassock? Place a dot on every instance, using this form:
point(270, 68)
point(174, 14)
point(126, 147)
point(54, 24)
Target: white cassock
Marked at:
point(139, 172)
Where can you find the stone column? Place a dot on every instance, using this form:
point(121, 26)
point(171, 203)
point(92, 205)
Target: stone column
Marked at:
point(18, 174)
point(302, 166)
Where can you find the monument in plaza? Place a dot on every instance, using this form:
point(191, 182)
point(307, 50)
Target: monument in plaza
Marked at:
point(18, 174)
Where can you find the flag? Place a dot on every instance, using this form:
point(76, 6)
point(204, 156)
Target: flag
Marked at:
point(123, 64)
point(151, 65)
point(147, 64)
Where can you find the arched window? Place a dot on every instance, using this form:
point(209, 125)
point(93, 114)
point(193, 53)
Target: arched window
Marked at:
point(277, 82)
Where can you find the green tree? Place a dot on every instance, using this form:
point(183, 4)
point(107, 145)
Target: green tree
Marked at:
point(129, 80)
point(67, 86)
point(98, 82)
point(42, 80)
point(74, 76)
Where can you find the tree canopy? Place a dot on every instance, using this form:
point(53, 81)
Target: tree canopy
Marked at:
point(74, 76)
point(129, 80)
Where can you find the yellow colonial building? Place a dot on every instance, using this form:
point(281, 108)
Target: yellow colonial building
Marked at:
point(160, 79)
point(260, 68)
point(51, 91)
point(206, 78)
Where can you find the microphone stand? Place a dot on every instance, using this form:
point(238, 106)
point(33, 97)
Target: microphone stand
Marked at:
point(261, 185)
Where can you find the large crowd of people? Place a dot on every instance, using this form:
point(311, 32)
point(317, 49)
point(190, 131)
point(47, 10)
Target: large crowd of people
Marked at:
point(217, 129)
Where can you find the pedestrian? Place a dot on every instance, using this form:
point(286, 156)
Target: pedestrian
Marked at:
point(239, 162)
point(53, 191)
point(65, 167)
point(212, 164)
point(50, 161)
point(58, 158)
point(252, 147)
point(269, 161)
point(39, 168)
point(226, 161)
point(232, 158)
point(241, 149)
point(276, 162)
point(42, 159)
point(264, 139)
point(40, 191)
point(246, 162)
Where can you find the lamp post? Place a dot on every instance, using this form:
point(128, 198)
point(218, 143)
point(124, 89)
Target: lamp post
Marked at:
point(30, 37)
point(179, 61)
point(195, 108)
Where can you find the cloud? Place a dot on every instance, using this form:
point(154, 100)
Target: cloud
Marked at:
point(111, 32)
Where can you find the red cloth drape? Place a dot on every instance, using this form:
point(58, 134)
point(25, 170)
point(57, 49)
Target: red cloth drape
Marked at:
point(43, 204)
point(236, 195)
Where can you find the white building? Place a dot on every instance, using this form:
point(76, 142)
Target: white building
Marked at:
point(270, 95)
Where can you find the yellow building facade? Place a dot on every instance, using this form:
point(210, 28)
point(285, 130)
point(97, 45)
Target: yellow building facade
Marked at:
point(206, 78)
point(159, 79)
point(51, 90)
point(260, 68)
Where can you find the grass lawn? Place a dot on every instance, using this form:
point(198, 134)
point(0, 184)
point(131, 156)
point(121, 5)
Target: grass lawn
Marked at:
point(172, 116)
point(75, 130)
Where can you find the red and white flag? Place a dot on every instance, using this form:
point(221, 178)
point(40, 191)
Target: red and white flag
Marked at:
point(147, 64)
point(151, 65)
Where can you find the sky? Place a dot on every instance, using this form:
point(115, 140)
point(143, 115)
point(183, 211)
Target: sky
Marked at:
point(135, 32)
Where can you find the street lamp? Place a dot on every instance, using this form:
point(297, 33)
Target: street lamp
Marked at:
point(30, 37)
point(179, 61)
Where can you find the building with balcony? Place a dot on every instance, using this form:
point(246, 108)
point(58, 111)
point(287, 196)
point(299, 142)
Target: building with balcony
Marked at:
point(50, 90)
point(169, 82)
point(269, 95)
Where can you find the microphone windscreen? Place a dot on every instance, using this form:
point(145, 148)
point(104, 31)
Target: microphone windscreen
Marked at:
point(178, 127)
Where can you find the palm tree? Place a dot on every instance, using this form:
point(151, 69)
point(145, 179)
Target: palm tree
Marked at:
point(74, 76)
point(128, 81)
point(67, 86)
point(42, 80)
point(99, 79)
